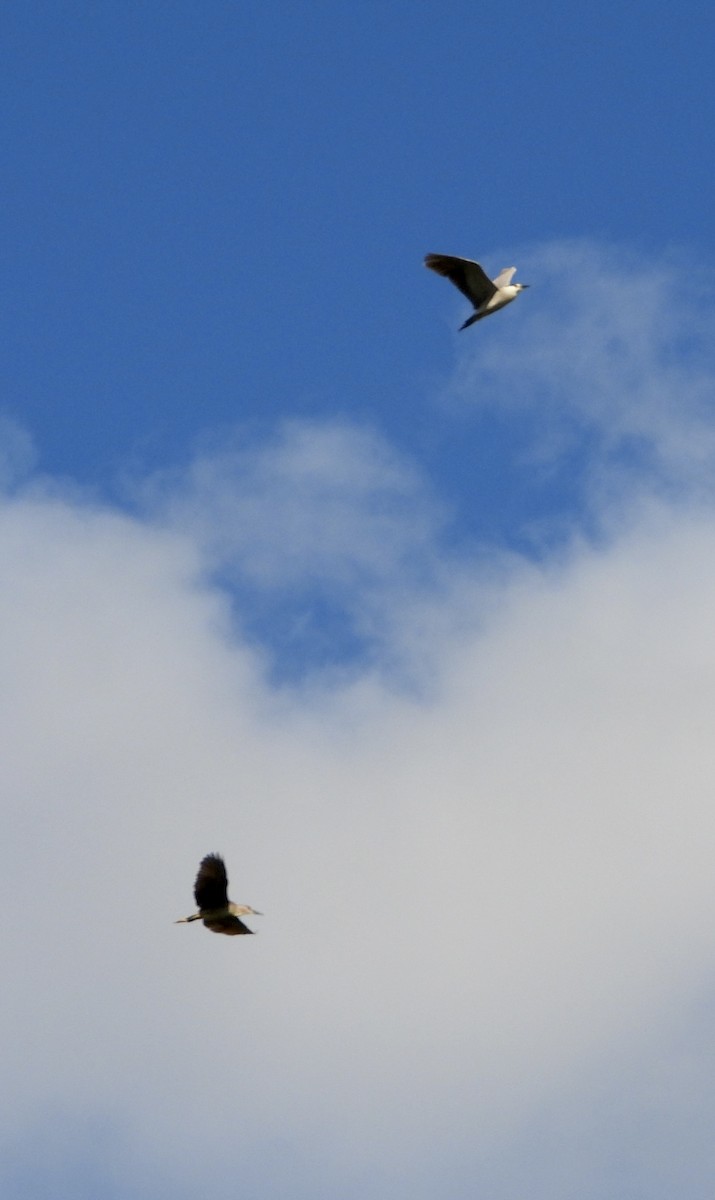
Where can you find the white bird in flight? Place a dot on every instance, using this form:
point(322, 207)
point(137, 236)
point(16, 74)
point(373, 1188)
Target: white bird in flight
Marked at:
point(211, 895)
point(486, 295)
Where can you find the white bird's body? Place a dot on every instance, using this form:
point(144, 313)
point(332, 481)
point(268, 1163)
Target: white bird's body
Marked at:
point(487, 295)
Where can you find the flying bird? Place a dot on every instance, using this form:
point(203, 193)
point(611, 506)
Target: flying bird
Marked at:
point(211, 895)
point(485, 294)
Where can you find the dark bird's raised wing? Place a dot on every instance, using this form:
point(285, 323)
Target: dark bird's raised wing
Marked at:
point(228, 924)
point(211, 887)
point(465, 274)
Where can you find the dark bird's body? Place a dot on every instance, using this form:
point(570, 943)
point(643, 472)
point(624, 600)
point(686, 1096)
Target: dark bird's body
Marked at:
point(487, 295)
point(216, 911)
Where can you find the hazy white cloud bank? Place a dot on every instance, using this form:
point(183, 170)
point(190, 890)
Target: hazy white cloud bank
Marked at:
point(486, 965)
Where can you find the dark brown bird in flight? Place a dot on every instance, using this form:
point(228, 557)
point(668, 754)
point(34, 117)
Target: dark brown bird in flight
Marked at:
point(211, 894)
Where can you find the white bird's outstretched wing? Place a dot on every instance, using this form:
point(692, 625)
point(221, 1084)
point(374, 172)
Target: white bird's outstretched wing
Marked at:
point(465, 274)
point(505, 277)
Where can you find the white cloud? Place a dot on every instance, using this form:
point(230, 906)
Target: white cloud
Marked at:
point(469, 901)
point(487, 908)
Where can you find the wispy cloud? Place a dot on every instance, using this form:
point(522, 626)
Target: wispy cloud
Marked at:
point(320, 528)
point(609, 361)
point(329, 502)
point(17, 453)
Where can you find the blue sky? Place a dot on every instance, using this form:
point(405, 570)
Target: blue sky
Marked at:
point(414, 626)
point(217, 213)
